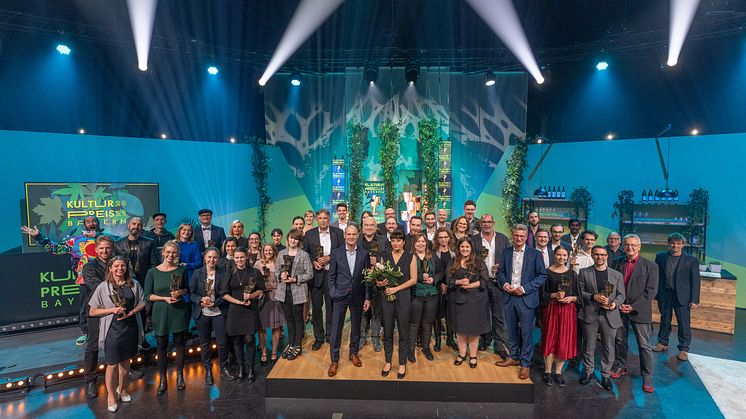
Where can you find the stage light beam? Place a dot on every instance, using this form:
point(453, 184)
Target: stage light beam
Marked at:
point(682, 14)
point(308, 17)
point(142, 17)
point(212, 70)
point(295, 78)
point(602, 66)
point(63, 49)
point(501, 17)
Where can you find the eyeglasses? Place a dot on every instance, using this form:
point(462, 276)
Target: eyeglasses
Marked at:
point(630, 245)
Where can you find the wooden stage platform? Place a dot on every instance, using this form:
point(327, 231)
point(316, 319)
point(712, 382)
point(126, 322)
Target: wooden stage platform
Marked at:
point(438, 380)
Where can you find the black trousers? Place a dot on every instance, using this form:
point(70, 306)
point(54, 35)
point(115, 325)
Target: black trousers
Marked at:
point(396, 311)
point(84, 308)
point(206, 325)
point(499, 333)
point(339, 312)
point(294, 318)
point(90, 358)
point(238, 343)
point(162, 346)
point(642, 335)
point(322, 304)
point(668, 304)
point(421, 315)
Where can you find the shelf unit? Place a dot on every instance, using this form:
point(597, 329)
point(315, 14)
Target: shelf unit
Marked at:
point(653, 222)
point(554, 211)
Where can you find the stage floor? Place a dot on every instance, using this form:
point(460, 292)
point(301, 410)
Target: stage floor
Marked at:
point(437, 380)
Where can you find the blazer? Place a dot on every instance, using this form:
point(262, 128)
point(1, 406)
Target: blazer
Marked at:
point(686, 281)
point(590, 310)
point(217, 235)
point(567, 239)
point(349, 222)
point(147, 257)
point(313, 239)
point(641, 288)
point(533, 275)
point(458, 295)
point(197, 290)
point(382, 228)
point(343, 284)
point(302, 269)
point(501, 242)
point(383, 244)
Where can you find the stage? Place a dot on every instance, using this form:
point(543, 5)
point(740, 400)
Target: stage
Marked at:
point(438, 380)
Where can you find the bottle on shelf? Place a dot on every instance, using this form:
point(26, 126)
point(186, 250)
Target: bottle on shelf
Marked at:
point(650, 196)
point(563, 194)
point(656, 197)
point(676, 195)
point(644, 196)
point(550, 192)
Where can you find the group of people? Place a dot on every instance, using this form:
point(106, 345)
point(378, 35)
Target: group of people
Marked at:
point(488, 289)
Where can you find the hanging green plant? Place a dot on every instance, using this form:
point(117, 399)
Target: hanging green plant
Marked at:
point(583, 201)
point(356, 132)
point(512, 184)
point(389, 154)
point(698, 202)
point(429, 137)
point(260, 171)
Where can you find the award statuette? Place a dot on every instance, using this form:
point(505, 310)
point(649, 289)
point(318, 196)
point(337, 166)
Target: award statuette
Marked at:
point(424, 266)
point(318, 252)
point(287, 262)
point(574, 253)
point(374, 249)
point(564, 285)
point(175, 284)
point(269, 282)
point(210, 289)
point(249, 288)
point(484, 253)
point(118, 301)
point(608, 289)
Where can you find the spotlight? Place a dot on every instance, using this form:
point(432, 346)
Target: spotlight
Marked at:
point(232, 140)
point(610, 136)
point(539, 140)
point(212, 70)
point(411, 73)
point(371, 74)
point(164, 136)
point(602, 66)
point(682, 14)
point(142, 17)
point(489, 78)
point(63, 49)
point(695, 131)
point(81, 131)
point(295, 78)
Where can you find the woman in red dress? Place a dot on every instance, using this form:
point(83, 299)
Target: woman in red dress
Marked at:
point(558, 317)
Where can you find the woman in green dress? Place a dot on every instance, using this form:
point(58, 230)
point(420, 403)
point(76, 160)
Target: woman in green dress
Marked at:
point(165, 285)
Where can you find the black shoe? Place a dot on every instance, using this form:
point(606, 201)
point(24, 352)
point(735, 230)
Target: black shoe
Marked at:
point(145, 345)
point(428, 354)
point(163, 385)
point(411, 357)
point(400, 375)
point(560, 380)
point(419, 342)
point(180, 384)
point(317, 345)
point(472, 365)
point(547, 379)
point(208, 375)
point(585, 379)
point(241, 372)
point(328, 339)
point(459, 360)
point(226, 373)
point(385, 373)
point(436, 347)
point(606, 383)
point(91, 390)
point(250, 374)
point(135, 374)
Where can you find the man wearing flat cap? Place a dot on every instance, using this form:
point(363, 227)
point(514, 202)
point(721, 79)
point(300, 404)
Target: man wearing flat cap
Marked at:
point(207, 234)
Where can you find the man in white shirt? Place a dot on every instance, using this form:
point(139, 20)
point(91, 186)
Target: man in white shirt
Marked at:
point(584, 258)
point(343, 215)
point(430, 225)
point(542, 245)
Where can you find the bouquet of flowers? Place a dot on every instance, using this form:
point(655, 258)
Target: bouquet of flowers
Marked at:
point(378, 273)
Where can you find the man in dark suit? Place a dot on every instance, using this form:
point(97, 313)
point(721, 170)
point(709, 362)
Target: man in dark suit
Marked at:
point(371, 320)
point(343, 215)
point(415, 229)
point(572, 237)
point(390, 213)
point(533, 226)
point(521, 273)
point(491, 244)
point(347, 292)
point(614, 246)
point(319, 243)
point(678, 292)
point(206, 234)
point(556, 232)
point(641, 286)
point(599, 312)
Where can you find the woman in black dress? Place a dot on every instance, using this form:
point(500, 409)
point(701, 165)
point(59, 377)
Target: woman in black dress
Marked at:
point(399, 308)
point(243, 290)
point(468, 303)
point(226, 261)
point(117, 300)
point(236, 232)
point(424, 296)
point(443, 246)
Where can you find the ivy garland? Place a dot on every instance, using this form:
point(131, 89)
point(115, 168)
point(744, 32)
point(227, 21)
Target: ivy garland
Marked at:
point(260, 170)
point(512, 184)
point(389, 154)
point(355, 134)
point(429, 139)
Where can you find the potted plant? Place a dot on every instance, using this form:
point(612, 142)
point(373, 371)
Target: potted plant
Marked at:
point(702, 267)
point(715, 266)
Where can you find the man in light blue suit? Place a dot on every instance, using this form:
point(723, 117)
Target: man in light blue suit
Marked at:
point(346, 269)
point(520, 275)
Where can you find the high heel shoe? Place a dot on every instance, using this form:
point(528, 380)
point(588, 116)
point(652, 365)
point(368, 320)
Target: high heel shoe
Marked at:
point(400, 375)
point(163, 386)
point(113, 408)
point(385, 373)
point(241, 372)
point(474, 364)
point(127, 398)
point(459, 360)
point(250, 374)
point(263, 358)
point(180, 384)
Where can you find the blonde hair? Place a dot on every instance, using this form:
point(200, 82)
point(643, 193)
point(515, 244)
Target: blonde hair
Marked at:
point(190, 239)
